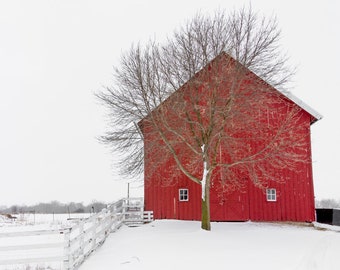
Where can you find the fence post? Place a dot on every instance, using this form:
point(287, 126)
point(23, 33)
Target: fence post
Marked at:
point(81, 240)
point(94, 232)
point(67, 249)
point(148, 218)
point(114, 217)
point(124, 206)
point(141, 209)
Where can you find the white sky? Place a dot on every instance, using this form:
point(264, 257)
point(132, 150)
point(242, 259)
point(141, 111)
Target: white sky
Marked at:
point(55, 54)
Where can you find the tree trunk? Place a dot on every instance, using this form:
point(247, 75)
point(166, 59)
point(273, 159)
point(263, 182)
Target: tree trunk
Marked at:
point(205, 225)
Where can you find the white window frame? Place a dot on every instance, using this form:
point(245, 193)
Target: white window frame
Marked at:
point(183, 194)
point(271, 195)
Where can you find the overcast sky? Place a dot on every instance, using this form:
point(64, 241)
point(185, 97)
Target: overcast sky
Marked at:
point(54, 55)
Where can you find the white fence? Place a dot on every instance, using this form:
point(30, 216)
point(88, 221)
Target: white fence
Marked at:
point(79, 241)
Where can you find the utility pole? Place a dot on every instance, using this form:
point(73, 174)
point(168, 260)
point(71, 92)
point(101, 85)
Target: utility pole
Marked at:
point(128, 191)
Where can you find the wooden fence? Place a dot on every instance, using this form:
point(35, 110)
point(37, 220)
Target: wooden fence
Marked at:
point(82, 239)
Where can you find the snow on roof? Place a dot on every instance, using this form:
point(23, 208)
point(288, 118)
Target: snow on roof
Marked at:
point(317, 116)
point(303, 105)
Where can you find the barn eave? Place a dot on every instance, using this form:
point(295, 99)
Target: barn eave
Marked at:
point(317, 116)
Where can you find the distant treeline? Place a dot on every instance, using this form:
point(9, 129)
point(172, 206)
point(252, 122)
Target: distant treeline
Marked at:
point(54, 207)
point(94, 207)
point(327, 203)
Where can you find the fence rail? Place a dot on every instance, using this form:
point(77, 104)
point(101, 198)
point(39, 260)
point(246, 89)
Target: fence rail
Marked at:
point(82, 239)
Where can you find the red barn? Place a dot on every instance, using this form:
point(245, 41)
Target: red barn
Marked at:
point(286, 195)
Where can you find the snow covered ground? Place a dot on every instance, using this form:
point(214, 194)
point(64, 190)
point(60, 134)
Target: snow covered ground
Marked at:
point(173, 244)
point(33, 223)
point(169, 244)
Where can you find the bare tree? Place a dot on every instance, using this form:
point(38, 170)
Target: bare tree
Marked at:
point(197, 94)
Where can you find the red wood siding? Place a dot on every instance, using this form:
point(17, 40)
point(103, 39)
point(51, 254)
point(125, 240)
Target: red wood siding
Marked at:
point(295, 197)
point(295, 202)
point(294, 188)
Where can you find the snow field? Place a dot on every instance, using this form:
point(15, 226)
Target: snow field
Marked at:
point(173, 244)
point(169, 244)
point(37, 222)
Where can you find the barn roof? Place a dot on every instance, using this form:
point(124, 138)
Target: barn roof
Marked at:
point(317, 116)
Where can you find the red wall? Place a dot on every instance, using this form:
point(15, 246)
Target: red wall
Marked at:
point(295, 201)
point(295, 193)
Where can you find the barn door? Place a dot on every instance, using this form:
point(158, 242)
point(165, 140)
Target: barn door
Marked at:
point(232, 206)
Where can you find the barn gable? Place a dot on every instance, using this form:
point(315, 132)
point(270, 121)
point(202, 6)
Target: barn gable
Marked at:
point(179, 198)
point(317, 116)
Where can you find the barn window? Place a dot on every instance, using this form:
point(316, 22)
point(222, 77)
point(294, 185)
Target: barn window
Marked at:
point(183, 195)
point(271, 195)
